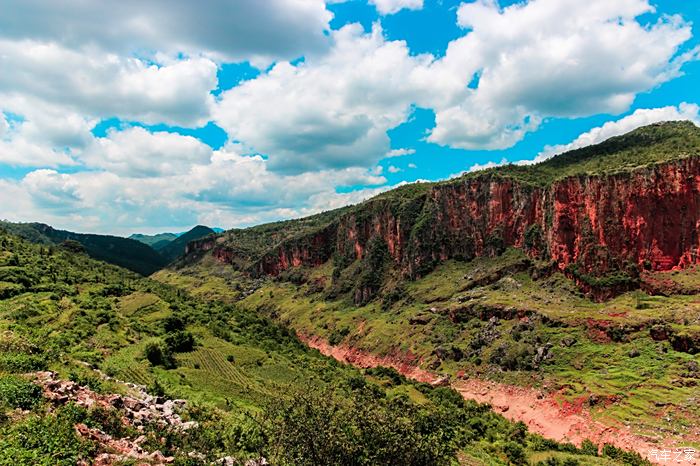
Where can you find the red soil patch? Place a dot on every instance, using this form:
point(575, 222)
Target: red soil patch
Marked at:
point(405, 363)
point(543, 413)
point(597, 330)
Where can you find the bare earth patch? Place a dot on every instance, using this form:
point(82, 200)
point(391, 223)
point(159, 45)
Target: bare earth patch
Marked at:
point(543, 413)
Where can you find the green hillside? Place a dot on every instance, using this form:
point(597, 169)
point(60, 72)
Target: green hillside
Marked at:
point(124, 252)
point(656, 143)
point(155, 241)
point(645, 146)
point(176, 248)
point(506, 316)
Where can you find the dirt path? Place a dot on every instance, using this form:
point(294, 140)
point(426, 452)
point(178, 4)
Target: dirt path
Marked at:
point(542, 413)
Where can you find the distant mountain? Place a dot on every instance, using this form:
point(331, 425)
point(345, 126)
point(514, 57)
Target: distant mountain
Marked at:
point(155, 241)
point(176, 248)
point(125, 252)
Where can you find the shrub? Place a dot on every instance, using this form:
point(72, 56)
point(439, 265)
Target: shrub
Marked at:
point(173, 323)
point(17, 392)
point(180, 341)
point(331, 428)
point(158, 354)
point(337, 335)
point(21, 362)
point(48, 440)
point(515, 453)
point(589, 448)
point(626, 457)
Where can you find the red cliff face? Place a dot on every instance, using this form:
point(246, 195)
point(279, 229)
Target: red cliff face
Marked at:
point(645, 219)
point(649, 217)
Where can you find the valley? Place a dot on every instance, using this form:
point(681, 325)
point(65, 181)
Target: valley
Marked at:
point(589, 299)
point(575, 318)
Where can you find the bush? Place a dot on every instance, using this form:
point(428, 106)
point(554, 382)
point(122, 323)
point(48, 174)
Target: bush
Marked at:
point(50, 440)
point(337, 335)
point(180, 341)
point(17, 392)
point(158, 354)
point(21, 362)
point(359, 428)
point(515, 453)
point(626, 457)
point(173, 323)
point(589, 448)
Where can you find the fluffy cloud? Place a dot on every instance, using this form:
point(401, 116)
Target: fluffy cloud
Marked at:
point(548, 58)
point(138, 153)
point(4, 125)
point(312, 125)
point(107, 85)
point(45, 139)
point(327, 112)
point(173, 188)
point(389, 7)
point(227, 30)
point(400, 152)
point(640, 117)
point(512, 68)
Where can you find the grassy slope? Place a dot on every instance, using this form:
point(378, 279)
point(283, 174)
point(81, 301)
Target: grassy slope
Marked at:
point(652, 391)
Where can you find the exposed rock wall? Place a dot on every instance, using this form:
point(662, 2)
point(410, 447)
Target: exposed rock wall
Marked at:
point(648, 217)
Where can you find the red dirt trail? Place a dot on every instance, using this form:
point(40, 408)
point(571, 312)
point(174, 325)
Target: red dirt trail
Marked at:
point(541, 412)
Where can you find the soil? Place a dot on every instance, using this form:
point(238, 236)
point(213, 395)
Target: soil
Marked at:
point(543, 413)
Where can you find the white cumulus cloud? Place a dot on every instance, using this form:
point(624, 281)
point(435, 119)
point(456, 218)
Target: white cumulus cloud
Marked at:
point(227, 30)
point(137, 152)
point(102, 85)
point(400, 152)
point(327, 112)
point(543, 58)
point(389, 7)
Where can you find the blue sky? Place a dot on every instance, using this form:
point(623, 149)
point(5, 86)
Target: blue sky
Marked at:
point(248, 112)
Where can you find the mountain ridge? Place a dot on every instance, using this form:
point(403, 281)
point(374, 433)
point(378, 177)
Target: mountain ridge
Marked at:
point(125, 252)
point(563, 209)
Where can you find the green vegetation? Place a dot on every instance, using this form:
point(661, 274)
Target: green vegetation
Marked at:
point(652, 144)
point(224, 338)
point(155, 241)
point(176, 247)
point(254, 389)
point(123, 252)
point(510, 319)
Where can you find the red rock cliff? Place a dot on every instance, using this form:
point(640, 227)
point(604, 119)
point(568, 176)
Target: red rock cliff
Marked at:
point(648, 217)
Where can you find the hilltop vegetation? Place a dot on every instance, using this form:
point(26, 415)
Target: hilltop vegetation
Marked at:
point(154, 241)
point(124, 252)
point(176, 247)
